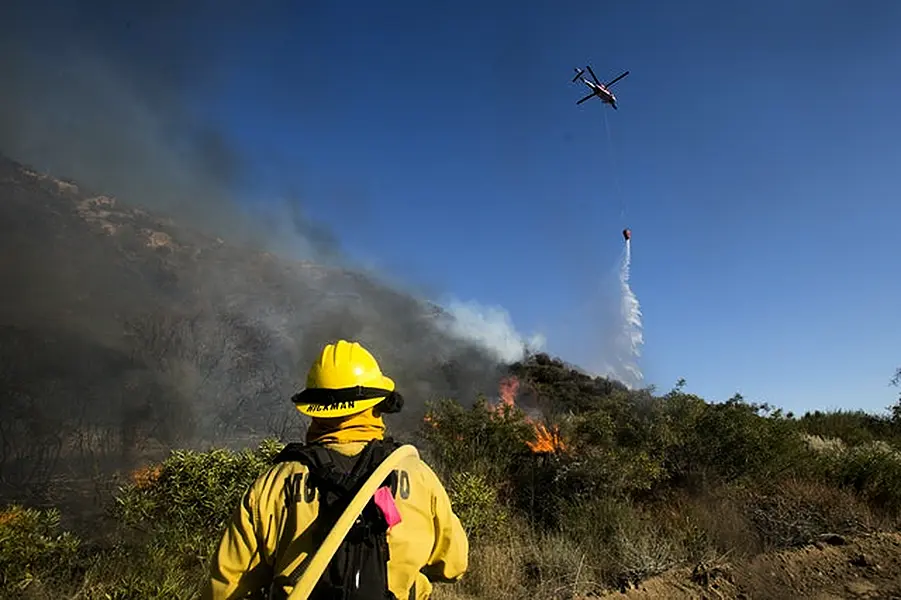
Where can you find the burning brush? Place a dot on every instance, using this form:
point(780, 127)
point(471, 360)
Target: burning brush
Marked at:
point(547, 440)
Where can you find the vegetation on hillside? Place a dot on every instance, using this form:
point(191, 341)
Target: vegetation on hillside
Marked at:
point(607, 487)
point(124, 333)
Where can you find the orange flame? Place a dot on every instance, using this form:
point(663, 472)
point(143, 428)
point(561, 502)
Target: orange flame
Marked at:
point(546, 441)
point(507, 390)
point(145, 477)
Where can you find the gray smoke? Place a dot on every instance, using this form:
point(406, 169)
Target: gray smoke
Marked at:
point(97, 91)
point(141, 333)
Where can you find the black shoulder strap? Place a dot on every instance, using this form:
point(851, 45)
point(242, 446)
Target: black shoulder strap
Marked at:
point(291, 452)
point(336, 473)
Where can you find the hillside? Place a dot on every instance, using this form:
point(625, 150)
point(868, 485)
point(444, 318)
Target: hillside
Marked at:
point(629, 495)
point(124, 333)
point(130, 343)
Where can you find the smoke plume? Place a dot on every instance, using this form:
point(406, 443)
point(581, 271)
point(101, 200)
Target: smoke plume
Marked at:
point(105, 93)
point(492, 328)
point(185, 332)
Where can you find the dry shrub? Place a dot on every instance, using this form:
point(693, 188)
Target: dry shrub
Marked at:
point(443, 591)
point(795, 512)
point(616, 543)
point(642, 549)
point(525, 566)
point(826, 445)
point(710, 524)
point(495, 572)
point(558, 568)
point(624, 542)
point(741, 521)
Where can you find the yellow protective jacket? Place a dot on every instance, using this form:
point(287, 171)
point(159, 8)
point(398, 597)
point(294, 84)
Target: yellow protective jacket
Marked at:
point(264, 542)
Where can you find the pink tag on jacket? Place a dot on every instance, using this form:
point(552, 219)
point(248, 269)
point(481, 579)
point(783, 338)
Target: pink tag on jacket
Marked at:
point(385, 501)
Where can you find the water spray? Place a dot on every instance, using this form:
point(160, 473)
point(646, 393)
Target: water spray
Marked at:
point(630, 338)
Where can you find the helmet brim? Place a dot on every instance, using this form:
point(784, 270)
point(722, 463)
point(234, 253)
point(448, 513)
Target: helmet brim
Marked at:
point(341, 407)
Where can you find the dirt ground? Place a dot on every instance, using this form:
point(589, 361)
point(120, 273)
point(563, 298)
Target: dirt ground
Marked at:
point(832, 569)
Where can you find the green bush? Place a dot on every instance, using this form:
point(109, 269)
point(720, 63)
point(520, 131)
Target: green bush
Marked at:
point(852, 427)
point(179, 508)
point(478, 505)
point(872, 470)
point(637, 484)
point(32, 547)
point(191, 491)
point(544, 484)
point(480, 440)
point(561, 389)
point(732, 441)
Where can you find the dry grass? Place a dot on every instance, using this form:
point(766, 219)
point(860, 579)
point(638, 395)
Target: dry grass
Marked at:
point(796, 512)
point(820, 444)
point(611, 546)
point(526, 566)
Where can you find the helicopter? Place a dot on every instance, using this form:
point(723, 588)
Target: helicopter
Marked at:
point(597, 88)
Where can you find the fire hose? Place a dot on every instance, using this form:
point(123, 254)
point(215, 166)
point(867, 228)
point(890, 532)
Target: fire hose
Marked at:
point(323, 556)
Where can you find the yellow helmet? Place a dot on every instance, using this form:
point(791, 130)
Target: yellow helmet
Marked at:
point(344, 381)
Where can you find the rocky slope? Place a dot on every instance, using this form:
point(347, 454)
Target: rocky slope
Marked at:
point(122, 330)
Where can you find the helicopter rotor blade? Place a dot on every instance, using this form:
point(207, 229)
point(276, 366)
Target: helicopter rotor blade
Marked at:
point(612, 81)
point(593, 76)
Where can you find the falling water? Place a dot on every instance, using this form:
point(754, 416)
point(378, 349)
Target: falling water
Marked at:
point(630, 339)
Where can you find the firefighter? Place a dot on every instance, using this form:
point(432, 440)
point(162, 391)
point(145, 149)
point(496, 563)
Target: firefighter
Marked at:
point(278, 524)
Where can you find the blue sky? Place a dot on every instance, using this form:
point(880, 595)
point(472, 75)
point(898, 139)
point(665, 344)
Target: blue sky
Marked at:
point(754, 155)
